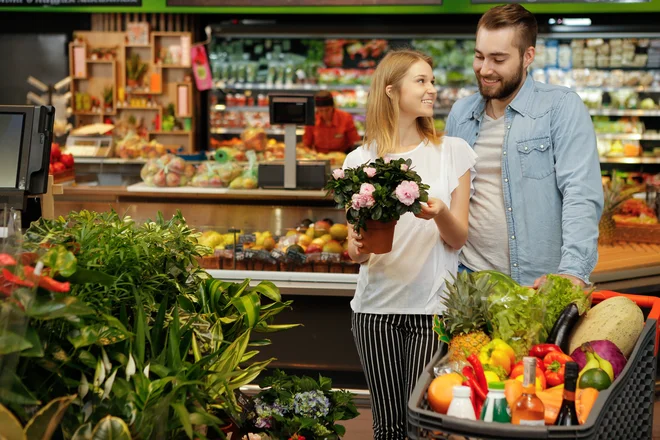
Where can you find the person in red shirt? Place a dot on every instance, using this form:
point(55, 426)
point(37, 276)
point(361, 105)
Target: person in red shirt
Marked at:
point(334, 129)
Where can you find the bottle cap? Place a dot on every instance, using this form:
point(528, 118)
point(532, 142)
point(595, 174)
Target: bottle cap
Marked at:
point(461, 391)
point(496, 386)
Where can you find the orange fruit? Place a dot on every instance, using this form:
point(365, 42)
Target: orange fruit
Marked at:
point(441, 391)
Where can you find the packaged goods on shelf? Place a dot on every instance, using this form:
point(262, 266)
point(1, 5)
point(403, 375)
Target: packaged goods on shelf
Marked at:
point(133, 147)
point(216, 175)
point(167, 170)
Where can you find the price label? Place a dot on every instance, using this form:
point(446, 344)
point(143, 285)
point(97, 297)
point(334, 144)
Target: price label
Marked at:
point(296, 257)
point(247, 238)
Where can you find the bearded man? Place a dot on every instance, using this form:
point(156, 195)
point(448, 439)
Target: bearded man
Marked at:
point(538, 192)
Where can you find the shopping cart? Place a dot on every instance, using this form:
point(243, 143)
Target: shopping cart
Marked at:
point(623, 411)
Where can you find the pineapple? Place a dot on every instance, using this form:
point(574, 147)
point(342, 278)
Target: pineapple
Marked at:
point(465, 316)
point(615, 193)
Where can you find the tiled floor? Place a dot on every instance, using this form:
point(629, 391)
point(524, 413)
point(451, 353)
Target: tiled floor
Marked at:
point(360, 427)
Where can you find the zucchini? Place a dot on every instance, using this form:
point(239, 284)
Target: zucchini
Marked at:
point(561, 331)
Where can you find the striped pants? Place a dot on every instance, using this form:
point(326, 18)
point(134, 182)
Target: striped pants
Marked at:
point(393, 350)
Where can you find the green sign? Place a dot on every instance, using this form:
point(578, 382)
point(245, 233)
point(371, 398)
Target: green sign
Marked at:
point(289, 3)
point(69, 3)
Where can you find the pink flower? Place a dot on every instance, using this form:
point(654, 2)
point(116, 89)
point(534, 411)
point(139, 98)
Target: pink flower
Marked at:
point(404, 167)
point(367, 189)
point(338, 173)
point(387, 160)
point(362, 201)
point(407, 192)
point(371, 172)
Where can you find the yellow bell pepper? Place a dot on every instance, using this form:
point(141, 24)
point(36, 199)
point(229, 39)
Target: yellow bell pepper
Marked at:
point(498, 353)
point(491, 377)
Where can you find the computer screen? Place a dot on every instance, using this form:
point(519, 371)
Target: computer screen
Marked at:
point(11, 139)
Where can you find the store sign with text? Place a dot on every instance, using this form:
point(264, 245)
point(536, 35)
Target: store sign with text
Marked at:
point(70, 2)
point(302, 2)
point(562, 1)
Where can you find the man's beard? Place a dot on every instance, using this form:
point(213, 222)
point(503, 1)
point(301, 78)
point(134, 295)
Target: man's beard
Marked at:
point(505, 88)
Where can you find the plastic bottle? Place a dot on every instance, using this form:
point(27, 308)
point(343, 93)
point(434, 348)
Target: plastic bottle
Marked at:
point(496, 408)
point(461, 405)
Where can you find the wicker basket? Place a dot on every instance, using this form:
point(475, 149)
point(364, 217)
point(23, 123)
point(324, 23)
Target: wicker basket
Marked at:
point(623, 411)
point(637, 233)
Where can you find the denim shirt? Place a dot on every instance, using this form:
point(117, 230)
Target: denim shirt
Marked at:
point(553, 195)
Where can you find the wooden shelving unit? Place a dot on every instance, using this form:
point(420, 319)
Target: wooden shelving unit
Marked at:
point(158, 86)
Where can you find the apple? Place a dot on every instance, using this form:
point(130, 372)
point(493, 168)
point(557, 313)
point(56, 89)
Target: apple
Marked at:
point(321, 227)
point(314, 248)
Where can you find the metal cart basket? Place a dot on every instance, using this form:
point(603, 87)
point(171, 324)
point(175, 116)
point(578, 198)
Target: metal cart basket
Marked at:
point(623, 411)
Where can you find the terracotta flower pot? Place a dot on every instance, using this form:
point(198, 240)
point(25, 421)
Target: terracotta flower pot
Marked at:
point(377, 238)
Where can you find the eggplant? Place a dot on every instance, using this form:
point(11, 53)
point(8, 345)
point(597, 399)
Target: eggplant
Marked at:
point(563, 326)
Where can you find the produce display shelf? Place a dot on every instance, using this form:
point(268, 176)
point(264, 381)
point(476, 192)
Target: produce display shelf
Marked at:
point(617, 112)
point(243, 193)
point(624, 410)
point(263, 108)
point(629, 136)
point(631, 160)
point(296, 283)
point(239, 130)
point(109, 160)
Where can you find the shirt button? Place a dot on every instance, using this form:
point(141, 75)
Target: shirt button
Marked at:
point(526, 147)
point(506, 180)
point(508, 126)
point(515, 264)
point(509, 209)
point(504, 153)
point(513, 237)
point(541, 146)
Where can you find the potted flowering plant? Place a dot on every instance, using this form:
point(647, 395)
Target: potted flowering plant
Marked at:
point(299, 408)
point(375, 195)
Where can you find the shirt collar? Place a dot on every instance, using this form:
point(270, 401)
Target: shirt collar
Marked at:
point(519, 103)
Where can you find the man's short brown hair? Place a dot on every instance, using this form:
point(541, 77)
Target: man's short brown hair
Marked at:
point(515, 16)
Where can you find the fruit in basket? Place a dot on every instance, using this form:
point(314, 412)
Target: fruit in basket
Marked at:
point(606, 350)
point(326, 237)
point(313, 249)
point(269, 243)
point(615, 193)
point(595, 378)
point(304, 240)
point(333, 247)
point(616, 319)
point(339, 231)
point(321, 228)
point(465, 315)
point(441, 391)
point(67, 160)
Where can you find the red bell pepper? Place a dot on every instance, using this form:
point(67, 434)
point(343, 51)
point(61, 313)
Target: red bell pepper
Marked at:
point(555, 367)
point(478, 370)
point(559, 357)
point(541, 350)
point(46, 282)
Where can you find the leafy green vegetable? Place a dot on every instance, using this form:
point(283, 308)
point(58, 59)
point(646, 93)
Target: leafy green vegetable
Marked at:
point(516, 315)
point(559, 292)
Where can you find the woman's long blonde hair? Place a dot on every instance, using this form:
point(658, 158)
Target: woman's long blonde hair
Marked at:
point(383, 111)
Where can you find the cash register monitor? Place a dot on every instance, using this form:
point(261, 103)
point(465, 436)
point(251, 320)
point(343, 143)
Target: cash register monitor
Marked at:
point(25, 140)
point(291, 109)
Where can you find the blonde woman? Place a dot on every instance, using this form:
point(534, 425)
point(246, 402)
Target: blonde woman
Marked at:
point(399, 292)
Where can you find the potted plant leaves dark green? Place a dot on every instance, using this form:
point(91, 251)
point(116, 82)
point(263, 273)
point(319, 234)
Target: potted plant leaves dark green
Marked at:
point(375, 195)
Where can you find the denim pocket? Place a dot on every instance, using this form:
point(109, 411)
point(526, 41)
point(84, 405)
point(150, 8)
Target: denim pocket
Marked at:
point(536, 158)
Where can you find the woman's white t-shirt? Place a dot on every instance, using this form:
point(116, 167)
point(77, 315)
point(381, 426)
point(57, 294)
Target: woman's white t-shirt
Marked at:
point(411, 278)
